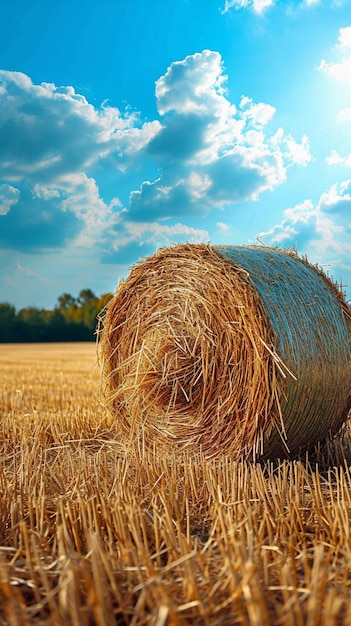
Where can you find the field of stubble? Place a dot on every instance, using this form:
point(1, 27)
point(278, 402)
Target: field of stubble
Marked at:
point(91, 536)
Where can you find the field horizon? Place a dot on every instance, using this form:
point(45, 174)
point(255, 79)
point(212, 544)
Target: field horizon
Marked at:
point(93, 534)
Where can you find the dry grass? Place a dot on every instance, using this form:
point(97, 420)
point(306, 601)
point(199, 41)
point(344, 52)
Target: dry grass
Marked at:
point(91, 535)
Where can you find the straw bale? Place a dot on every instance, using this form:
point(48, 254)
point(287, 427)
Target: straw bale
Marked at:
point(238, 350)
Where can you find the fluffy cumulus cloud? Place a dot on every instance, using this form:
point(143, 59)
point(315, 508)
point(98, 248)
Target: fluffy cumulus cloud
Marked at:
point(323, 229)
point(336, 159)
point(210, 152)
point(48, 131)
point(58, 149)
point(340, 69)
point(51, 138)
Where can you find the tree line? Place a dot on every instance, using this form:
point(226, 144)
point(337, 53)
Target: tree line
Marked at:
point(72, 319)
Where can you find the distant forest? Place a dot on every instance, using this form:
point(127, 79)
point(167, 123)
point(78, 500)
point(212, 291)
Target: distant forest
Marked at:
point(72, 319)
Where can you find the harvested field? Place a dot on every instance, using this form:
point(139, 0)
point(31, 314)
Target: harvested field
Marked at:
point(90, 535)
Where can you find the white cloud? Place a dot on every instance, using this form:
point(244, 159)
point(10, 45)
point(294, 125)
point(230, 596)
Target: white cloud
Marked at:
point(9, 196)
point(194, 84)
point(259, 114)
point(210, 152)
point(321, 230)
point(300, 153)
point(257, 5)
point(345, 37)
point(44, 192)
point(137, 239)
point(344, 115)
point(341, 69)
point(222, 227)
point(51, 140)
point(335, 159)
point(337, 198)
point(48, 131)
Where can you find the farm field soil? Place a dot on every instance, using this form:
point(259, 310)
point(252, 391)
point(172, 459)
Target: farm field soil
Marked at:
point(90, 534)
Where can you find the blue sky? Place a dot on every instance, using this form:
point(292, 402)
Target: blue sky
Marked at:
point(125, 126)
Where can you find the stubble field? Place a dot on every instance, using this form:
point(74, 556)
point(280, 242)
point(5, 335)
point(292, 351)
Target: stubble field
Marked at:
point(92, 535)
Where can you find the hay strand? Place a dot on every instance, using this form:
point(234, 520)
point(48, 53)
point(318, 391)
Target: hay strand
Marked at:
point(230, 349)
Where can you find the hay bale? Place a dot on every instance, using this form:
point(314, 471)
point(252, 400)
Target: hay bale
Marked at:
point(241, 350)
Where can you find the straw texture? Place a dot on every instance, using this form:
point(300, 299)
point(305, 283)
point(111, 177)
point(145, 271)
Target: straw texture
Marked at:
point(239, 350)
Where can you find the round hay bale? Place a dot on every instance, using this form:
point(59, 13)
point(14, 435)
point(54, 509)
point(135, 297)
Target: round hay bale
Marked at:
point(238, 350)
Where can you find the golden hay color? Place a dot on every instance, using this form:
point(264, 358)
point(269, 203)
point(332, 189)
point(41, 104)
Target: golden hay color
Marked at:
point(92, 536)
point(238, 350)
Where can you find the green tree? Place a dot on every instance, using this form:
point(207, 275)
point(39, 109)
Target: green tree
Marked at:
point(72, 319)
point(65, 301)
point(86, 296)
point(57, 329)
point(34, 321)
point(7, 322)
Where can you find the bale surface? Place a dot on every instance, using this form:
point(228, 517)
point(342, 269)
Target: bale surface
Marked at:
point(233, 350)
